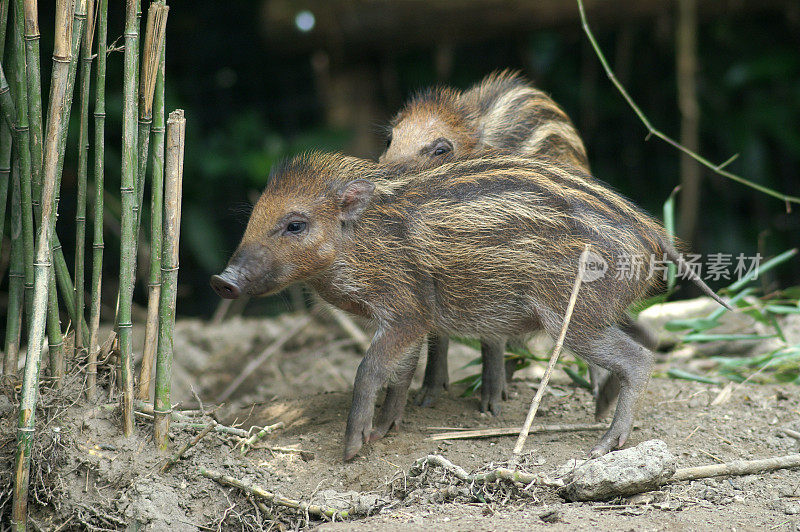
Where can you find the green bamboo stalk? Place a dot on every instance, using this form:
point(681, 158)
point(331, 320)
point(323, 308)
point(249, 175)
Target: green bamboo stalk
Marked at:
point(176, 131)
point(22, 136)
point(128, 196)
point(55, 338)
point(3, 26)
point(34, 83)
point(30, 383)
point(5, 137)
point(16, 282)
point(99, 154)
point(83, 156)
point(5, 175)
point(152, 92)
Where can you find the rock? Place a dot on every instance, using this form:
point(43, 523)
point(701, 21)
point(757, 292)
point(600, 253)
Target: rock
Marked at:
point(645, 467)
point(551, 515)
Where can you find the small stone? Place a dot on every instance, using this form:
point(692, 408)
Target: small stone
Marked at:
point(551, 515)
point(645, 467)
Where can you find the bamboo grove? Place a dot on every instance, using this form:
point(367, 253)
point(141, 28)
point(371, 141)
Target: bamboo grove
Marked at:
point(51, 308)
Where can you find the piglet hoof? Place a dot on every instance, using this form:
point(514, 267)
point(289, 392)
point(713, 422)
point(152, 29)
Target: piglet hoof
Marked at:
point(356, 435)
point(428, 395)
point(383, 428)
point(493, 406)
point(610, 441)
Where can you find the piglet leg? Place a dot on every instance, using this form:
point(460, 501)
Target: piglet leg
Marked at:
point(389, 348)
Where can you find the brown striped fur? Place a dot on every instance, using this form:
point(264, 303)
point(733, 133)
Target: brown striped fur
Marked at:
point(503, 112)
point(484, 247)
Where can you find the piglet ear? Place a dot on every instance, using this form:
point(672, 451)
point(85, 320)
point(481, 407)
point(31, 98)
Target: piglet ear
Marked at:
point(354, 198)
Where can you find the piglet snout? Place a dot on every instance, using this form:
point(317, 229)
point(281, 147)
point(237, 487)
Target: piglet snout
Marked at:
point(224, 287)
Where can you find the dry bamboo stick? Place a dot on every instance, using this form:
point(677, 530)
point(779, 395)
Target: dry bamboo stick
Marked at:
point(176, 132)
point(513, 431)
point(30, 386)
point(737, 467)
point(523, 435)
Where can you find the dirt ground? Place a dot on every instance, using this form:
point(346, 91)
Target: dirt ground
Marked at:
point(87, 476)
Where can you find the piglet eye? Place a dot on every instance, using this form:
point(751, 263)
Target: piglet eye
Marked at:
point(295, 227)
point(442, 147)
point(389, 140)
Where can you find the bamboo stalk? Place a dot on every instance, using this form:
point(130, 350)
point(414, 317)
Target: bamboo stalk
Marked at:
point(176, 129)
point(128, 196)
point(153, 40)
point(99, 174)
point(30, 10)
point(22, 150)
point(16, 282)
point(30, 384)
point(5, 137)
point(55, 337)
point(83, 156)
point(156, 212)
point(5, 175)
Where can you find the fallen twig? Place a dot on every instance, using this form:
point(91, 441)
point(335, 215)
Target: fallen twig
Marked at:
point(463, 434)
point(273, 348)
point(791, 433)
point(538, 479)
point(258, 491)
point(183, 421)
point(306, 456)
point(246, 444)
point(177, 456)
point(737, 467)
point(523, 435)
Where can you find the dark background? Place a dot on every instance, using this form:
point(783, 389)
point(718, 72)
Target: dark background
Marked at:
point(255, 89)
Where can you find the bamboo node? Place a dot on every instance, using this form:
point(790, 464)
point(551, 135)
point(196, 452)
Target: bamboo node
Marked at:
point(124, 325)
point(156, 129)
point(169, 269)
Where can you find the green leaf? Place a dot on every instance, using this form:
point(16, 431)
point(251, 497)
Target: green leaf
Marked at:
point(763, 268)
point(577, 379)
point(685, 375)
point(696, 324)
point(700, 338)
point(782, 309)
